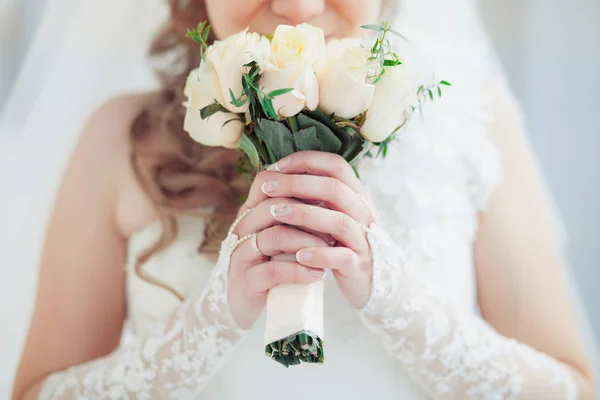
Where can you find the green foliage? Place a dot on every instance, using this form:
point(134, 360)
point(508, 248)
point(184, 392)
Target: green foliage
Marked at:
point(248, 147)
point(303, 346)
point(328, 140)
point(277, 136)
point(306, 139)
point(211, 109)
point(200, 36)
point(381, 49)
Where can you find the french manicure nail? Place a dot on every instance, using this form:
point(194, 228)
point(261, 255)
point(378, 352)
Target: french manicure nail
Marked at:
point(280, 210)
point(273, 167)
point(281, 164)
point(304, 256)
point(324, 274)
point(269, 186)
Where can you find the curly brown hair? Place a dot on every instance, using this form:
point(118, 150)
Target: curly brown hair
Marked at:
point(178, 174)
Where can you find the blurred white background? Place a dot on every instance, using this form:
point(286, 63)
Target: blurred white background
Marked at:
point(551, 53)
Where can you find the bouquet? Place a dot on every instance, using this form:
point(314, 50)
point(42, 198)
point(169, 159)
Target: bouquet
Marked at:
point(273, 95)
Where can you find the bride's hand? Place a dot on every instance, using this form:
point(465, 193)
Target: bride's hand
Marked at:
point(325, 177)
point(252, 272)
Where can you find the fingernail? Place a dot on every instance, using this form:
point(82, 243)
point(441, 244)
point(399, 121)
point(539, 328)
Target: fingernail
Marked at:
point(304, 256)
point(324, 274)
point(269, 186)
point(273, 167)
point(283, 163)
point(280, 210)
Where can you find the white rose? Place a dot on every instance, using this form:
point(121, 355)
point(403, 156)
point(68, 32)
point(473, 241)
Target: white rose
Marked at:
point(294, 51)
point(201, 89)
point(342, 78)
point(394, 94)
point(228, 58)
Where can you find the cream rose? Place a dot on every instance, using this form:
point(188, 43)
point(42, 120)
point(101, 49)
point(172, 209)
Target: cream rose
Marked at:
point(342, 78)
point(294, 51)
point(201, 89)
point(228, 58)
point(395, 92)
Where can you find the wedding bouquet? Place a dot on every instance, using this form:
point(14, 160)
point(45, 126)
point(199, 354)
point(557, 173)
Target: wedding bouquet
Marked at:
point(271, 96)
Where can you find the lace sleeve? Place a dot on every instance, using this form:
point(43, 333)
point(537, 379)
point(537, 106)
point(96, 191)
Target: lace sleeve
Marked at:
point(177, 365)
point(450, 354)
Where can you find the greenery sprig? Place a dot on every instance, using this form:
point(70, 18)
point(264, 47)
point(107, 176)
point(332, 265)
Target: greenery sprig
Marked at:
point(381, 49)
point(304, 346)
point(200, 36)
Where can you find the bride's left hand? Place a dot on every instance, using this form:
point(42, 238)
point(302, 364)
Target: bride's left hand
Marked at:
point(328, 178)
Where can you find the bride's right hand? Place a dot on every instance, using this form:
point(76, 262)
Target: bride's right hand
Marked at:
point(251, 274)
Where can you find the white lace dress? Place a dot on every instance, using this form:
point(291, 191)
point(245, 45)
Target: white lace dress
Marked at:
point(418, 337)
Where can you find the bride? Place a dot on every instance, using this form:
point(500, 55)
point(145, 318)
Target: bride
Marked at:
point(453, 291)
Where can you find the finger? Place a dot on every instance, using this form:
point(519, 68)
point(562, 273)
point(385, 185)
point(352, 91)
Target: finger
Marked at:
point(339, 225)
point(260, 219)
point(280, 239)
point(336, 194)
point(319, 163)
point(256, 194)
point(264, 276)
point(341, 259)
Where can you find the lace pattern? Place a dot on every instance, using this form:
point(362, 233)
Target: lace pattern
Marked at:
point(176, 365)
point(451, 354)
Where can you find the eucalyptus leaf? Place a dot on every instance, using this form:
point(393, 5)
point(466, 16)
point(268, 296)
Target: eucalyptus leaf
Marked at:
point(306, 139)
point(276, 136)
point(246, 145)
point(330, 142)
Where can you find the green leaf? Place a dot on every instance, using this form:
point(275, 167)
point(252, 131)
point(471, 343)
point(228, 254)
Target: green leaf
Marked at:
point(439, 90)
point(391, 63)
point(246, 145)
point(279, 92)
point(306, 139)
point(277, 137)
point(267, 106)
point(206, 32)
point(237, 102)
point(373, 27)
point(420, 89)
point(211, 109)
point(396, 33)
point(293, 124)
point(330, 142)
point(445, 83)
point(357, 144)
point(430, 94)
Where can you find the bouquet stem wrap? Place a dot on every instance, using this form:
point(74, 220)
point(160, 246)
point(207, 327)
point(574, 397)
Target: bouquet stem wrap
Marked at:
point(294, 323)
